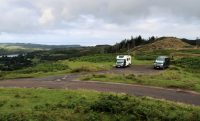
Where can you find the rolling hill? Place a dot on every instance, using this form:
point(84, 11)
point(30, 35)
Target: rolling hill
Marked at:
point(33, 46)
point(164, 43)
point(13, 48)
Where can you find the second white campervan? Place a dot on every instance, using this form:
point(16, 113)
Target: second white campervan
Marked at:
point(123, 60)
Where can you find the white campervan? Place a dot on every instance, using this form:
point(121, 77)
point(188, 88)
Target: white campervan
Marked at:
point(123, 60)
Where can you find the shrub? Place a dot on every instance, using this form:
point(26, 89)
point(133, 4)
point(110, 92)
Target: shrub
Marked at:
point(82, 69)
point(2, 103)
point(152, 55)
point(97, 58)
point(189, 63)
point(99, 75)
point(93, 117)
point(45, 67)
point(108, 103)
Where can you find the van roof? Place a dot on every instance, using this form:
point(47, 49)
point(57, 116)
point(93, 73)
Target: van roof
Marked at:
point(163, 57)
point(123, 56)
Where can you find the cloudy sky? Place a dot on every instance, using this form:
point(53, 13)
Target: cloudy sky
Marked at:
point(90, 22)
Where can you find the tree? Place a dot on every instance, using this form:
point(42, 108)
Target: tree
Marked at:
point(197, 42)
point(151, 39)
point(132, 42)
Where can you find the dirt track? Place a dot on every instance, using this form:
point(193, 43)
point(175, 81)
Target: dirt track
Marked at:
point(69, 82)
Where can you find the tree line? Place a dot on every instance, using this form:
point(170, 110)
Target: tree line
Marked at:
point(128, 44)
point(14, 63)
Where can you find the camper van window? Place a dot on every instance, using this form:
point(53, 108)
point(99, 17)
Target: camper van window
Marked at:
point(160, 59)
point(121, 56)
point(120, 60)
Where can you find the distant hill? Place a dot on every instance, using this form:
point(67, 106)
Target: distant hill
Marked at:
point(163, 43)
point(13, 48)
point(34, 46)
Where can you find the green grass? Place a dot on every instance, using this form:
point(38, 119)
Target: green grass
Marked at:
point(90, 65)
point(141, 62)
point(108, 58)
point(191, 64)
point(80, 64)
point(55, 68)
point(151, 55)
point(39, 70)
point(190, 51)
point(171, 78)
point(54, 105)
point(99, 58)
point(183, 74)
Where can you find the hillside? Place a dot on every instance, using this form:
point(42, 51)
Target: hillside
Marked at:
point(33, 46)
point(163, 43)
point(13, 48)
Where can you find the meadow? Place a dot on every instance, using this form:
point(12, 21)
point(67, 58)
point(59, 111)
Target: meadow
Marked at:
point(183, 74)
point(90, 63)
point(81, 105)
point(39, 104)
point(55, 68)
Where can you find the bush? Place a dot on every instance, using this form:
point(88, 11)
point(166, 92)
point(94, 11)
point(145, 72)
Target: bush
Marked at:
point(152, 55)
point(45, 67)
point(2, 102)
point(189, 63)
point(133, 77)
point(99, 76)
point(108, 103)
point(97, 58)
point(82, 69)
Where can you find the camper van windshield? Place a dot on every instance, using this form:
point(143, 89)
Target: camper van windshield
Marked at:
point(160, 59)
point(120, 60)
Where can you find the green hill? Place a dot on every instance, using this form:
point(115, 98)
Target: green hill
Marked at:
point(164, 43)
point(13, 48)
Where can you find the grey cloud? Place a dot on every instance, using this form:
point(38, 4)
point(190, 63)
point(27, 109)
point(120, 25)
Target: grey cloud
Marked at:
point(113, 11)
point(104, 16)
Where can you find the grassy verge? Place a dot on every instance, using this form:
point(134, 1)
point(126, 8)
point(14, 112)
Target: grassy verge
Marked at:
point(55, 68)
point(172, 78)
point(90, 66)
point(183, 74)
point(51, 105)
point(109, 58)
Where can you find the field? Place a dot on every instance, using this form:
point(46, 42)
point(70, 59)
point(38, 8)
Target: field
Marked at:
point(51, 105)
point(79, 64)
point(171, 78)
point(183, 73)
point(55, 68)
point(97, 64)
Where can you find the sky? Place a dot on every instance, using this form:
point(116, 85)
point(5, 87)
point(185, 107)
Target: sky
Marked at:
point(92, 22)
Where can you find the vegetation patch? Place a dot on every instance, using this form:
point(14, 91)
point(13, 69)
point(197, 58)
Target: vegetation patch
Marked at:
point(192, 63)
point(151, 55)
point(82, 69)
point(51, 105)
point(45, 67)
point(97, 58)
point(175, 77)
point(121, 78)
